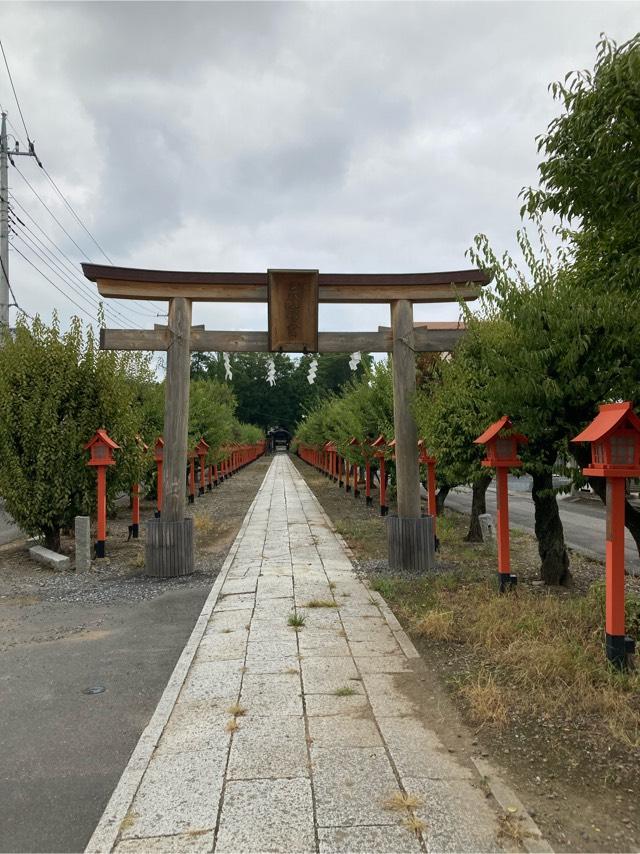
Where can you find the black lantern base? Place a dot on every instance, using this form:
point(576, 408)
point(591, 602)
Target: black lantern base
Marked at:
point(100, 548)
point(506, 581)
point(157, 514)
point(384, 510)
point(619, 648)
point(369, 500)
point(192, 498)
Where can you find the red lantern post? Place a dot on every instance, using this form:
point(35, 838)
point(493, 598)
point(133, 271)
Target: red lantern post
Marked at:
point(425, 457)
point(614, 435)
point(355, 445)
point(380, 448)
point(202, 449)
point(101, 448)
point(502, 454)
point(159, 458)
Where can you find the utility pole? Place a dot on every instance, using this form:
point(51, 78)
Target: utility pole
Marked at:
point(5, 157)
point(4, 227)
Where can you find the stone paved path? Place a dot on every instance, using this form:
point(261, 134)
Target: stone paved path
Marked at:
point(329, 734)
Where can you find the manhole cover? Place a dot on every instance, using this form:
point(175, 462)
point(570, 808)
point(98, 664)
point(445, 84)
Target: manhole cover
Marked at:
point(95, 689)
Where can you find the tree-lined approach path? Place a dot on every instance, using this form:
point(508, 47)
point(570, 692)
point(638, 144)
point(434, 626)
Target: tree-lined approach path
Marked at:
point(329, 733)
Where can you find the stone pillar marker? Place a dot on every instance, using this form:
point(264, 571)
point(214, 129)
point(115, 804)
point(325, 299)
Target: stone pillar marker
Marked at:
point(83, 543)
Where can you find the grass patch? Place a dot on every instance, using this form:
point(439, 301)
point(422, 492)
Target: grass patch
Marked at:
point(320, 603)
point(535, 653)
point(296, 621)
point(232, 725)
point(345, 691)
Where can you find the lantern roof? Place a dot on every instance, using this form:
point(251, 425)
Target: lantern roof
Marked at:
point(203, 445)
point(494, 430)
point(159, 441)
point(354, 441)
point(611, 416)
point(380, 442)
point(102, 437)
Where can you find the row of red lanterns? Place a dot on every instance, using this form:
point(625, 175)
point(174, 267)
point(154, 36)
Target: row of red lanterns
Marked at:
point(102, 448)
point(614, 435)
point(344, 472)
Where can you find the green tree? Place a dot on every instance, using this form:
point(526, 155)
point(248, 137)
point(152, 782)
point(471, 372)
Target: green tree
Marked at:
point(56, 390)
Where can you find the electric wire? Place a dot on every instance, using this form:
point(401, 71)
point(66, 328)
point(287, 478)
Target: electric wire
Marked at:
point(44, 276)
point(70, 265)
point(144, 307)
point(15, 94)
point(67, 270)
point(49, 260)
point(15, 303)
point(79, 294)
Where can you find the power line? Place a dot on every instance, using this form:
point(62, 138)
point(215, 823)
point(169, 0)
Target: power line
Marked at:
point(59, 271)
point(15, 94)
point(70, 265)
point(44, 276)
point(68, 270)
point(15, 300)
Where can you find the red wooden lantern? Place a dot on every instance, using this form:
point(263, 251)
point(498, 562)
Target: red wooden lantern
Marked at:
point(333, 461)
point(158, 455)
point(202, 449)
point(614, 435)
point(426, 459)
point(501, 445)
point(380, 449)
point(101, 449)
point(134, 527)
point(355, 444)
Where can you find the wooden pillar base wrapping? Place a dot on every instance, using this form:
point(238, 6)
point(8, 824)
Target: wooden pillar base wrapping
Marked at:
point(411, 544)
point(169, 548)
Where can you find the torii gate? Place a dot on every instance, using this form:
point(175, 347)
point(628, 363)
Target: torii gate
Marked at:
point(293, 297)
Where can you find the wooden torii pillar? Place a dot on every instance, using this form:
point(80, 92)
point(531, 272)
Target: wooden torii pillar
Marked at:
point(293, 297)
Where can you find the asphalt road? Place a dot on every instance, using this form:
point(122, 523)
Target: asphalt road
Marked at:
point(63, 751)
point(583, 520)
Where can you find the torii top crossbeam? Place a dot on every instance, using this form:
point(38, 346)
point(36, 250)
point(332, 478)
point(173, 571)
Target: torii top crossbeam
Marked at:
point(130, 283)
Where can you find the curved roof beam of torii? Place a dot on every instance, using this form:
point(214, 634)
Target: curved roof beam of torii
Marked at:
point(131, 283)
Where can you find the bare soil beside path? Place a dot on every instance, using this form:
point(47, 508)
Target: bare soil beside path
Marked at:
point(572, 752)
point(61, 633)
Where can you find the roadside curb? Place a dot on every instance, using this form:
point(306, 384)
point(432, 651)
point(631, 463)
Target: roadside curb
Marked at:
point(533, 840)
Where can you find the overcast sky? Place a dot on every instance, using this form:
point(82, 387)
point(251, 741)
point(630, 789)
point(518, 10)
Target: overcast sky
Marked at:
point(348, 137)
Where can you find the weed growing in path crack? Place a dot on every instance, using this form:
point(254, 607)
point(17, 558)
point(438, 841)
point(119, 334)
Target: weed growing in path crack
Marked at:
point(320, 603)
point(237, 710)
point(232, 725)
point(345, 691)
point(414, 824)
point(401, 801)
point(332, 585)
point(296, 621)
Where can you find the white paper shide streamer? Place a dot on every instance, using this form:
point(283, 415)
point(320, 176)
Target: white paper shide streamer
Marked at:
point(227, 367)
point(355, 360)
point(271, 372)
point(313, 370)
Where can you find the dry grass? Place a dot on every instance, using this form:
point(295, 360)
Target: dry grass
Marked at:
point(437, 625)
point(532, 653)
point(237, 710)
point(320, 603)
point(138, 561)
point(204, 524)
point(401, 801)
point(510, 830)
point(415, 825)
point(485, 700)
point(232, 725)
